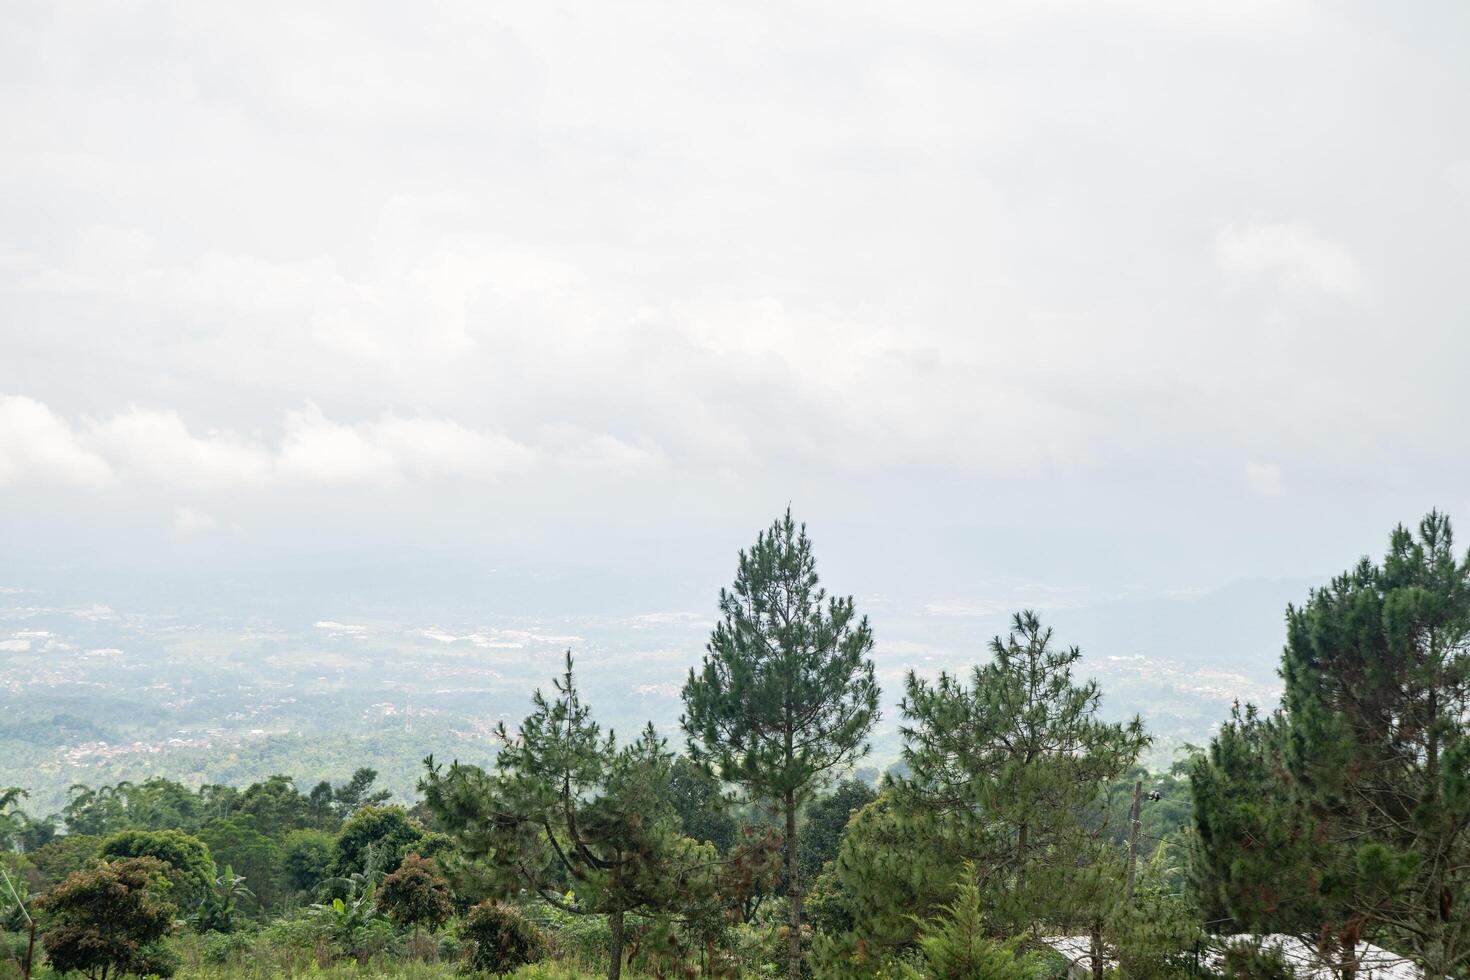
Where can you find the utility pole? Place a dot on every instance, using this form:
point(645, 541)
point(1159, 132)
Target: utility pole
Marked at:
point(1133, 825)
point(20, 903)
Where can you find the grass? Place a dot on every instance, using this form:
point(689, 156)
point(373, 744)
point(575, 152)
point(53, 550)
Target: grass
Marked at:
point(291, 948)
point(397, 969)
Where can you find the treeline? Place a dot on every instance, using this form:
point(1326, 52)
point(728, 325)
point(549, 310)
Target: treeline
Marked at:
point(1015, 815)
point(283, 841)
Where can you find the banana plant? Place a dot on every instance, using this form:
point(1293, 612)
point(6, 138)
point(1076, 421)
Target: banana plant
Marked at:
point(346, 921)
point(349, 917)
point(216, 912)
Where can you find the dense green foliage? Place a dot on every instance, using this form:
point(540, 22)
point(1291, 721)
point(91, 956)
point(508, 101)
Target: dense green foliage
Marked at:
point(1007, 776)
point(375, 836)
point(569, 808)
point(958, 943)
point(1345, 816)
point(826, 819)
point(1016, 813)
point(186, 860)
point(699, 800)
point(306, 858)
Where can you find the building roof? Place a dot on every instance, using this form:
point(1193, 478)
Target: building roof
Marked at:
point(1374, 963)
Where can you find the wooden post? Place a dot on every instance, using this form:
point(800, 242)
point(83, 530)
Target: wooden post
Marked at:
point(1133, 825)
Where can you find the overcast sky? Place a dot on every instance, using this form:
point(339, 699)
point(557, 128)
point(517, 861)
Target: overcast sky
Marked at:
point(1037, 298)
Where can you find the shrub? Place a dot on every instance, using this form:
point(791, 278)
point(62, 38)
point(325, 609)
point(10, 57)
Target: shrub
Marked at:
point(417, 897)
point(1250, 961)
point(298, 931)
point(221, 947)
point(353, 925)
point(59, 857)
point(580, 937)
point(957, 946)
point(500, 938)
point(552, 970)
point(448, 946)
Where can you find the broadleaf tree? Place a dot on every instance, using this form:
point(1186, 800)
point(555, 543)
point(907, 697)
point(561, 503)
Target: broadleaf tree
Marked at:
point(416, 896)
point(785, 697)
point(109, 922)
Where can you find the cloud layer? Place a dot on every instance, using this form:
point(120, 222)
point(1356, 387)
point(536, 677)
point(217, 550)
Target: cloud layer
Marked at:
point(993, 265)
point(156, 448)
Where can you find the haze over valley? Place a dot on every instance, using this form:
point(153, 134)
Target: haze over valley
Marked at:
point(101, 688)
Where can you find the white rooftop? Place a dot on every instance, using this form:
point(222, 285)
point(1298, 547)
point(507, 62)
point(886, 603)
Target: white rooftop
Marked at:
point(1374, 963)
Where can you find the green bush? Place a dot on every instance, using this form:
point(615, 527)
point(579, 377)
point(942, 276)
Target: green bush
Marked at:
point(500, 938)
point(553, 970)
point(223, 947)
point(415, 896)
point(957, 945)
point(449, 946)
point(298, 931)
point(1248, 961)
point(59, 857)
point(582, 937)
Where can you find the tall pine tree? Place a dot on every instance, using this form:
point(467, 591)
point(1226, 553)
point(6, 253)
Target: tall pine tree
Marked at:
point(1255, 858)
point(1377, 672)
point(1022, 755)
point(1346, 817)
point(786, 694)
point(1007, 774)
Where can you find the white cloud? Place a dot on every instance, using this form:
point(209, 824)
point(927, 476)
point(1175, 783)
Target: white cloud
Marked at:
point(393, 448)
point(1290, 255)
point(37, 445)
point(1263, 479)
point(970, 607)
point(1026, 598)
point(599, 452)
point(105, 252)
point(319, 450)
point(187, 520)
point(428, 448)
point(158, 447)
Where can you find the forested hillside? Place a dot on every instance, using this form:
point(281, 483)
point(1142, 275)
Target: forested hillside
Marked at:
point(759, 839)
